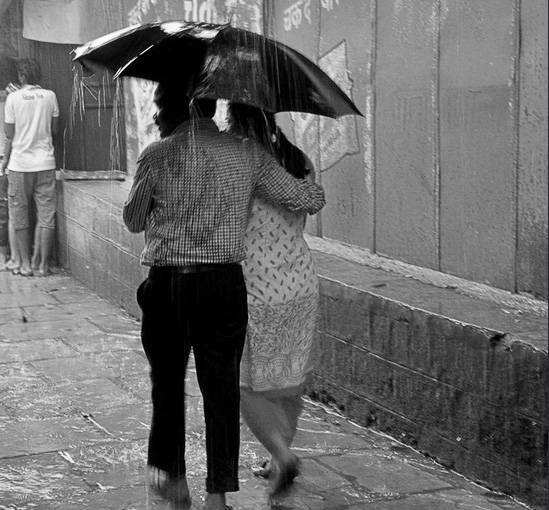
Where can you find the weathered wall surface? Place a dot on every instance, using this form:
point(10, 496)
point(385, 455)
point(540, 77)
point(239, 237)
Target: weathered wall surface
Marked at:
point(462, 379)
point(448, 169)
point(456, 377)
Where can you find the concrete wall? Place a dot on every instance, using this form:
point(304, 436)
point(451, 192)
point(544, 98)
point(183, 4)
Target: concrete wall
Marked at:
point(455, 377)
point(448, 170)
point(462, 379)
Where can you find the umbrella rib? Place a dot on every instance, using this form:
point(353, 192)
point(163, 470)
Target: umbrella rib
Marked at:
point(128, 64)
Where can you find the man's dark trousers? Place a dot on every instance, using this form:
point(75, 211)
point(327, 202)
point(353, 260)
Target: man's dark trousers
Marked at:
point(205, 310)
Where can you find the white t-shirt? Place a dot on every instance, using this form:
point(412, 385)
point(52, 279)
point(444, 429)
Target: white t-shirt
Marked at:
point(31, 109)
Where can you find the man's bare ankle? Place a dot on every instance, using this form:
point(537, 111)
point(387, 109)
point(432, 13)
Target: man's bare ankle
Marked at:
point(215, 501)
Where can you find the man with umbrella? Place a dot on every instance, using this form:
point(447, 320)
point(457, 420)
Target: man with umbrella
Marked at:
point(191, 195)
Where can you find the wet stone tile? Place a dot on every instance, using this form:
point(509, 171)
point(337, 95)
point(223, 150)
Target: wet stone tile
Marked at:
point(443, 500)
point(25, 299)
point(46, 313)
point(321, 475)
point(54, 400)
point(122, 363)
point(114, 498)
point(109, 465)
point(41, 436)
point(12, 315)
point(13, 375)
point(92, 309)
point(117, 324)
point(327, 441)
point(370, 471)
point(73, 295)
point(137, 385)
point(48, 329)
point(71, 369)
point(37, 478)
point(129, 422)
point(5, 415)
point(253, 495)
point(100, 341)
point(34, 350)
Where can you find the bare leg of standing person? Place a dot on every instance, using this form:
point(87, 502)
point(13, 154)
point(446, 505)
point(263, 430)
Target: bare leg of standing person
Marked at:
point(22, 244)
point(43, 248)
point(15, 258)
point(36, 255)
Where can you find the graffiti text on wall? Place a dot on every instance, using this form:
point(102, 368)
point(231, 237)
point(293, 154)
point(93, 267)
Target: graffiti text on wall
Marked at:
point(301, 10)
point(329, 4)
point(193, 10)
point(293, 15)
point(198, 10)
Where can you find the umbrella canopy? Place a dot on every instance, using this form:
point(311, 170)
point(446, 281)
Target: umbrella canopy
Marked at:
point(219, 61)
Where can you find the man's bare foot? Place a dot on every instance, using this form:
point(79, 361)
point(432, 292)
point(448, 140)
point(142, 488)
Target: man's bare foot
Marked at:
point(215, 501)
point(172, 489)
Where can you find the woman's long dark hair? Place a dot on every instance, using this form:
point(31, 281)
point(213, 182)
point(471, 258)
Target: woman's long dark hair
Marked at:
point(261, 126)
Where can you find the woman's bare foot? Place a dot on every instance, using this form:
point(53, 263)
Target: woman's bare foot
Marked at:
point(284, 475)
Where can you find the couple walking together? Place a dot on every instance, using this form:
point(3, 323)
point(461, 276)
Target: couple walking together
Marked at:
point(231, 278)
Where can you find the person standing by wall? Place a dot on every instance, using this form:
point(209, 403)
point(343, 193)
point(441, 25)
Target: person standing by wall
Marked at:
point(4, 218)
point(31, 121)
point(9, 255)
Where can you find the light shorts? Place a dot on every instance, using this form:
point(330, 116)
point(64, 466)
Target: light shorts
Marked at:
point(23, 186)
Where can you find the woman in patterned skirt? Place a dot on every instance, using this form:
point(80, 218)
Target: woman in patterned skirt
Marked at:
point(282, 288)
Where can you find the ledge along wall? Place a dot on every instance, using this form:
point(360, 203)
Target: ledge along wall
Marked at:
point(462, 379)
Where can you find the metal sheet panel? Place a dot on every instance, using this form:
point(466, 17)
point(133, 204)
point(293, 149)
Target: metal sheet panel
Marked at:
point(406, 174)
point(477, 61)
point(532, 164)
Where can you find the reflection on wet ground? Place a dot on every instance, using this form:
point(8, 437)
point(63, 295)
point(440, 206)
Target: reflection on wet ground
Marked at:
point(74, 415)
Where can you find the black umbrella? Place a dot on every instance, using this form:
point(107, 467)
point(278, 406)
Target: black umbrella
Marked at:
point(219, 61)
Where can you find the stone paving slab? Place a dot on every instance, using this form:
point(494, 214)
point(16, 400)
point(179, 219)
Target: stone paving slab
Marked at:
point(75, 411)
point(34, 350)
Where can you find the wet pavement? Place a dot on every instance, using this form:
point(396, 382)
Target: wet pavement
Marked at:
point(74, 415)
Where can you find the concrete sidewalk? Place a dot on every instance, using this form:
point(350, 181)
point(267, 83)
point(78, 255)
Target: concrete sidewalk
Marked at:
point(74, 416)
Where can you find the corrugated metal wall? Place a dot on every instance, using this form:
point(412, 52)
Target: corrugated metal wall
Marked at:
point(448, 169)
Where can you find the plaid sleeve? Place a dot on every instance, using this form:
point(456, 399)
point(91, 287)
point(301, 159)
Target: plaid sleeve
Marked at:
point(275, 184)
point(139, 201)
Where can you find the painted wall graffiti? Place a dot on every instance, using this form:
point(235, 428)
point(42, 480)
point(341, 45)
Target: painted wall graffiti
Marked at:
point(294, 15)
point(300, 11)
point(187, 10)
point(326, 140)
point(329, 4)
